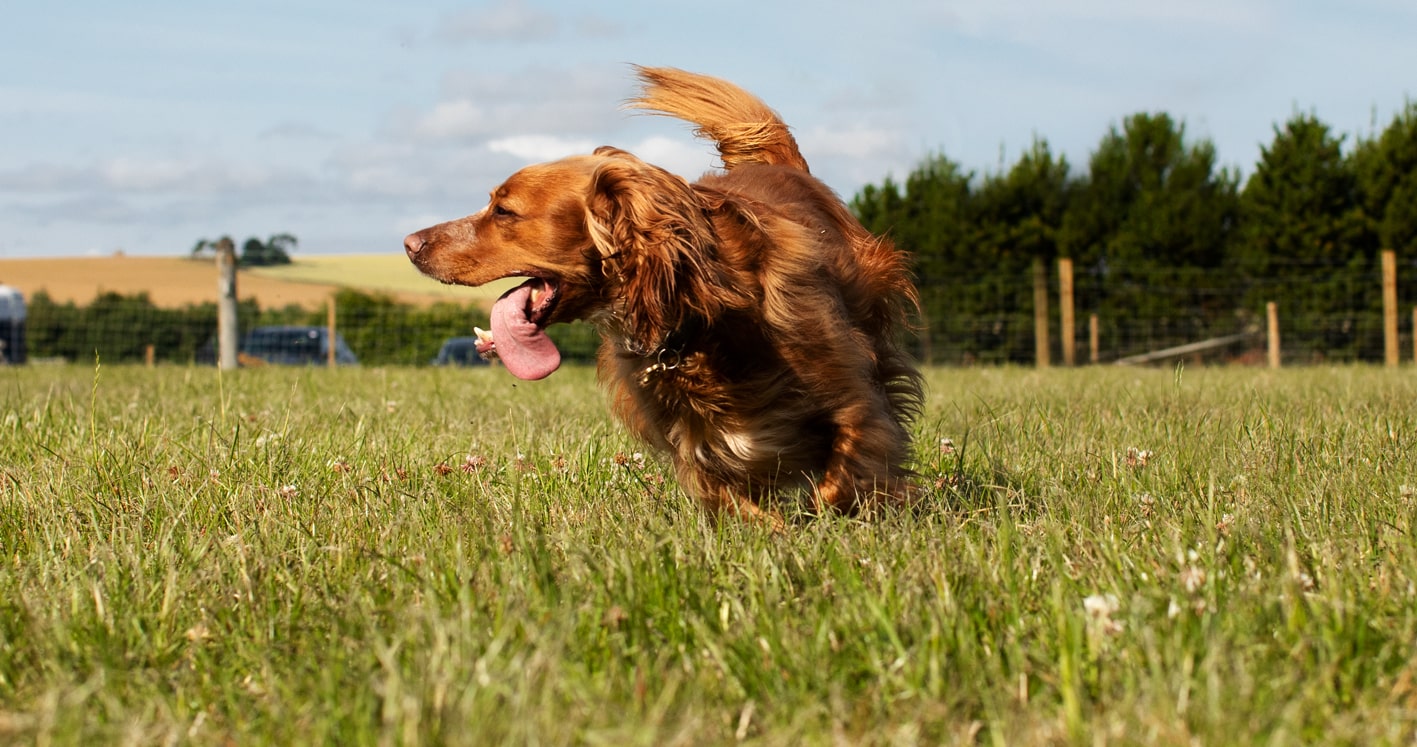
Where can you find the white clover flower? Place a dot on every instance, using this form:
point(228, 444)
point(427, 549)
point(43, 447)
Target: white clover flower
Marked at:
point(1192, 579)
point(1099, 609)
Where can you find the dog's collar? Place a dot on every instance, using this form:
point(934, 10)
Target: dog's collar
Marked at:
point(665, 361)
point(670, 352)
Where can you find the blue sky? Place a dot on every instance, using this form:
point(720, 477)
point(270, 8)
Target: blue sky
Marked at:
point(145, 125)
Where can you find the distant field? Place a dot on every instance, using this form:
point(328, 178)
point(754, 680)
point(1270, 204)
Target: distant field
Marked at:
point(388, 273)
point(177, 281)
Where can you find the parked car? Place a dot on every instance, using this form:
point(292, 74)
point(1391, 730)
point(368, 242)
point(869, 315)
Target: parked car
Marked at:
point(285, 346)
point(295, 346)
point(12, 325)
point(459, 351)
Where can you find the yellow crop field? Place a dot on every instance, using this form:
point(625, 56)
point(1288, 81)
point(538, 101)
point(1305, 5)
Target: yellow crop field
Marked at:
point(172, 282)
point(389, 273)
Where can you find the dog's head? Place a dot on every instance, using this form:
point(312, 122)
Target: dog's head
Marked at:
point(605, 237)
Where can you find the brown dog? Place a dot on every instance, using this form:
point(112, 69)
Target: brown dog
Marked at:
point(749, 323)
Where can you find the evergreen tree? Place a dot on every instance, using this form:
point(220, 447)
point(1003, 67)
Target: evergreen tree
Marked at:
point(1386, 170)
point(1149, 229)
point(1149, 199)
point(1021, 211)
point(1166, 247)
point(930, 220)
point(1019, 215)
point(1306, 243)
point(1301, 206)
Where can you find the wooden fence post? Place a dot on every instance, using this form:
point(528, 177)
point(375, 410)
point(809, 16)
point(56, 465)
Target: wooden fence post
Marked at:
point(1094, 340)
point(1271, 312)
point(150, 355)
point(1040, 314)
point(1390, 348)
point(1065, 308)
point(227, 338)
point(330, 334)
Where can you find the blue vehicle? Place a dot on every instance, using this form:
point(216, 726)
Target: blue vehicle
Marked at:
point(284, 346)
point(459, 351)
point(295, 346)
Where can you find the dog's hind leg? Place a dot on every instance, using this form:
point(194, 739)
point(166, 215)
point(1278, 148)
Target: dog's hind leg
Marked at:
point(721, 500)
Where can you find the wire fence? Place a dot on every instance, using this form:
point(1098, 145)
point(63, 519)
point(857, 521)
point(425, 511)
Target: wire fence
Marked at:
point(1339, 312)
point(1038, 318)
point(1240, 336)
point(1305, 339)
point(366, 329)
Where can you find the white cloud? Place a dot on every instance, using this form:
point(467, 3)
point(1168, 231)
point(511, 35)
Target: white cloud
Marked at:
point(382, 169)
point(854, 142)
point(169, 141)
point(452, 120)
point(482, 104)
point(1040, 19)
point(535, 148)
point(199, 176)
point(136, 174)
point(147, 175)
point(34, 101)
point(296, 131)
point(688, 158)
point(516, 21)
point(510, 20)
point(386, 180)
point(45, 177)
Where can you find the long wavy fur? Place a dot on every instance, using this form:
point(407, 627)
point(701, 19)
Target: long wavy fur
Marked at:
point(751, 327)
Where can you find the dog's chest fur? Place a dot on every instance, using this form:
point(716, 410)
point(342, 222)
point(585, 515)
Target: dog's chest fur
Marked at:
point(756, 430)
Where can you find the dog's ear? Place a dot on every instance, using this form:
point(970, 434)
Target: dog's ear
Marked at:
point(657, 243)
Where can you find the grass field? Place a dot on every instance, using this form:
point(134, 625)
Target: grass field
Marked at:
point(400, 556)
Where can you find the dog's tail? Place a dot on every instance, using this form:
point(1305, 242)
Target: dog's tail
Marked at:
point(741, 125)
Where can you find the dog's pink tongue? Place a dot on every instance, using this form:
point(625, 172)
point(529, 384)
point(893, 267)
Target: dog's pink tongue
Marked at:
point(524, 348)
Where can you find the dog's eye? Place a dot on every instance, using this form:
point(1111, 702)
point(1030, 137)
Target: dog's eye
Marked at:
point(502, 212)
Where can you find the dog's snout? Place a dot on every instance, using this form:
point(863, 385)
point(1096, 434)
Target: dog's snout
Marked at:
point(413, 244)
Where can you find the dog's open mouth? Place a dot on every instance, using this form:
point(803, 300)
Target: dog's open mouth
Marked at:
point(518, 335)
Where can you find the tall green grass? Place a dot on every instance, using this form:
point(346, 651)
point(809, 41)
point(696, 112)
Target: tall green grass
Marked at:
point(432, 556)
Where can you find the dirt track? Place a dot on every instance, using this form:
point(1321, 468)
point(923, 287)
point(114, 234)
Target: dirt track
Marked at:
point(169, 282)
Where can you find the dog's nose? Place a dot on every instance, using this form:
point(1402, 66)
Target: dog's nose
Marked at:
point(413, 244)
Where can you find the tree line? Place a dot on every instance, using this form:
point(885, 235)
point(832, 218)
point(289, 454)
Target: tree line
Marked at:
point(1167, 244)
point(254, 252)
point(118, 328)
